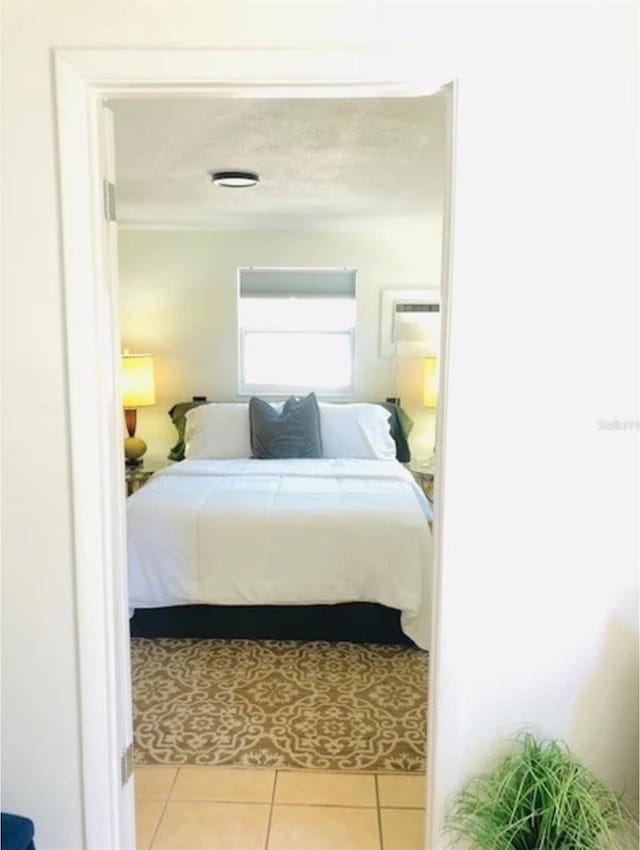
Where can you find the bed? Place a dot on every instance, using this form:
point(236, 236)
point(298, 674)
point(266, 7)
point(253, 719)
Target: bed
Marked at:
point(324, 547)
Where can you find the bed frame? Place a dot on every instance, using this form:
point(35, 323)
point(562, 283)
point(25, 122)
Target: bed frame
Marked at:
point(359, 622)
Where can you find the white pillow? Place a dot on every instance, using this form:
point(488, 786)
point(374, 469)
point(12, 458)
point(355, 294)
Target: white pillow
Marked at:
point(359, 430)
point(218, 430)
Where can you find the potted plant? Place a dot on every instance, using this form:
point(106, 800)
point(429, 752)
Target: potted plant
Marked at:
point(539, 797)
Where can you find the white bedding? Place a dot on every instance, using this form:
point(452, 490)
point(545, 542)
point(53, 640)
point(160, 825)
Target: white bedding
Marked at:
point(282, 532)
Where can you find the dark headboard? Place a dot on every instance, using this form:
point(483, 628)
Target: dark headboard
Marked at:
point(400, 426)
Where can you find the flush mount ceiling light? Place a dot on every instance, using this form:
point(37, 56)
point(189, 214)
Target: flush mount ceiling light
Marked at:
point(235, 179)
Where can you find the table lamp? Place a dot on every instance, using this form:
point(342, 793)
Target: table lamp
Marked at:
point(431, 377)
point(138, 390)
point(430, 399)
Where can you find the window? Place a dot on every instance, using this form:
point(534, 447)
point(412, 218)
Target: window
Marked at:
point(296, 330)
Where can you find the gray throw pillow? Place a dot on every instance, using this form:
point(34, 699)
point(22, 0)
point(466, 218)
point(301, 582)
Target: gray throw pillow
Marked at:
point(294, 432)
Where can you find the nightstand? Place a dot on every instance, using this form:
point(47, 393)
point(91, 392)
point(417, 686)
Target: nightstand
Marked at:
point(423, 472)
point(138, 476)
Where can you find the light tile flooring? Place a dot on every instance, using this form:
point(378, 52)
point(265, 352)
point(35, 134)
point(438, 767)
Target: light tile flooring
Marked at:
point(217, 808)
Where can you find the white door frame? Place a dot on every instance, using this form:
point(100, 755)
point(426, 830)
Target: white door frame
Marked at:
point(84, 79)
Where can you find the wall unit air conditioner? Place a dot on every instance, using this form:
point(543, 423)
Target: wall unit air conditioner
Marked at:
point(410, 323)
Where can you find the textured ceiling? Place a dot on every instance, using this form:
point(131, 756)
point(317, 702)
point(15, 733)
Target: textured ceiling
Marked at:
point(319, 161)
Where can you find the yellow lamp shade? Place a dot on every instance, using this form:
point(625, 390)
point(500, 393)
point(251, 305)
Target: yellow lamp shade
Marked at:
point(138, 384)
point(431, 376)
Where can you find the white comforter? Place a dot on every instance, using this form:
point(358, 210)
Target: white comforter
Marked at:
point(282, 532)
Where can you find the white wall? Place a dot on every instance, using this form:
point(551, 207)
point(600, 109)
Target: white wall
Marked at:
point(539, 615)
point(178, 301)
point(538, 618)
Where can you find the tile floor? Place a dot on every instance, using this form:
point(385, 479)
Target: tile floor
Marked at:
point(217, 808)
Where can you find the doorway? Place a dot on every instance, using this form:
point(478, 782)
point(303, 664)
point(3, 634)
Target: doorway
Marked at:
point(103, 700)
point(240, 291)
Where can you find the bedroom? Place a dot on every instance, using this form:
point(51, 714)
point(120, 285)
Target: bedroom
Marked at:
point(545, 214)
point(364, 194)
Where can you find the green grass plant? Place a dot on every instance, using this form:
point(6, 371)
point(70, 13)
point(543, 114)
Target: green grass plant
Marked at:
point(539, 797)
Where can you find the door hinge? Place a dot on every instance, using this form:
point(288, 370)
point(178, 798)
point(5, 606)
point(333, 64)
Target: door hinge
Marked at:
point(126, 764)
point(109, 197)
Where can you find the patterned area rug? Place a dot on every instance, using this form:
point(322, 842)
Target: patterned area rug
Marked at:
point(287, 704)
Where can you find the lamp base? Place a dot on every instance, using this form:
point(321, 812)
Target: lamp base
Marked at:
point(134, 448)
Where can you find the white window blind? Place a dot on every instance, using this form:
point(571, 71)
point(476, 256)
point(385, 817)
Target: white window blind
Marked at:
point(297, 283)
point(296, 330)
